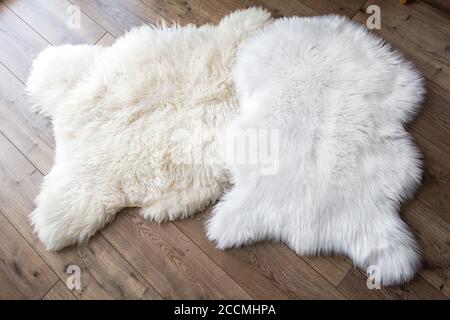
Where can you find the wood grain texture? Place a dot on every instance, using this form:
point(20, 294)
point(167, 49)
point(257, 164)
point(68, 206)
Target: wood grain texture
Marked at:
point(195, 11)
point(117, 16)
point(59, 292)
point(51, 19)
point(354, 287)
point(435, 188)
point(344, 7)
point(266, 271)
point(19, 43)
point(433, 234)
point(169, 260)
point(286, 8)
point(105, 273)
point(439, 6)
point(332, 268)
point(433, 122)
point(107, 40)
point(278, 8)
point(23, 274)
point(31, 133)
point(136, 259)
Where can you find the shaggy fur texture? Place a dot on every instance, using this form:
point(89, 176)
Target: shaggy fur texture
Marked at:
point(339, 97)
point(127, 120)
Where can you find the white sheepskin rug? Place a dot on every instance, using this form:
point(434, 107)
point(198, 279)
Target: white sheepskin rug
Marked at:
point(329, 101)
point(133, 123)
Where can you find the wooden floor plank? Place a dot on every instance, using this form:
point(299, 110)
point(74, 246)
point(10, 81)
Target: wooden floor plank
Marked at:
point(332, 268)
point(422, 37)
point(59, 292)
point(435, 188)
point(105, 274)
point(23, 273)
point(117, 16)
point(286, 8)
point(433, 235)
point(439, 6)
point(195, 11)
point(344, 7)
point(19, 43)
point(266, 271)
point(354, 286)
point(169, 260)
point(436, 16)
point(50, 19)
point(31, 133)
point(433, 121)
point(278, 8)
point(107, 40)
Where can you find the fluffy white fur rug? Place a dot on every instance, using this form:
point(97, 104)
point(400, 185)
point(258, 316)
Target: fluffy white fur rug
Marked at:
point(338, 99)
point(133, 123)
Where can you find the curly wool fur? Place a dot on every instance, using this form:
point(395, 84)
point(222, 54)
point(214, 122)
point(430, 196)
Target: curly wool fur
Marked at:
point(339, 97)
point(124, 115)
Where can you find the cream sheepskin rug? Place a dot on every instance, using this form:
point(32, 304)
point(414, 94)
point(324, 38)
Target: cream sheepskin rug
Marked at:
point(337, 99)
point(133, 123)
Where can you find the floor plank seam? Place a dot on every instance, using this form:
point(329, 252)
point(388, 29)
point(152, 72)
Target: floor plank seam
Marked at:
point(12, 73)
point(340, 282)
point(152, 10)
point(321, 275)
point(87, 15)
point(129, 262)
point(360, 9)
point(428, 140)
point(34, 249)
point(20, 151)
point(446, 90)
point(419, 17)
point(101, 37)
point(37, 32)
point(431, 209)
point(213, 260)
point(346, 274)
point(96, 23)
point(50, 289)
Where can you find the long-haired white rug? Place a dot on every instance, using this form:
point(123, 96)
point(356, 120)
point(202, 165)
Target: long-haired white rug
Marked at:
point(330, 101)
point(133, 123)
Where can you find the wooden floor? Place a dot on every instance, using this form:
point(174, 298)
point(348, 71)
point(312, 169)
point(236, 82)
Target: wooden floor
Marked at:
point(135, 259)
